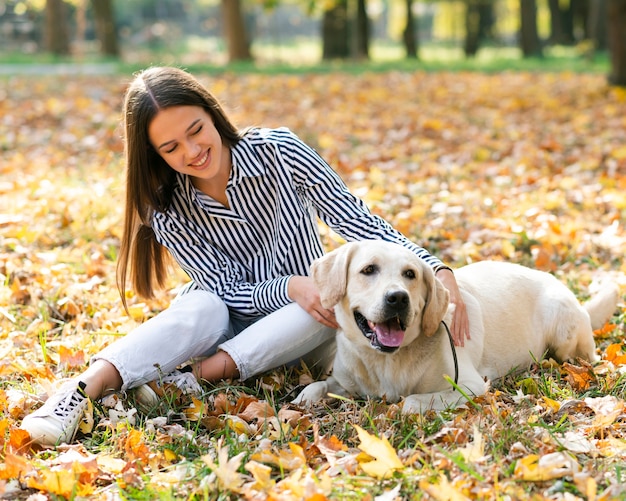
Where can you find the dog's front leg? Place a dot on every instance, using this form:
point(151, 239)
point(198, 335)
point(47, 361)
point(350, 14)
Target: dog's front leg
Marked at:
point(319, 390)
point(473, 385)
point(438, 401)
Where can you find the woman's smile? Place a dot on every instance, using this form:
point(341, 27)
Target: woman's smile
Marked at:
point(200, 164)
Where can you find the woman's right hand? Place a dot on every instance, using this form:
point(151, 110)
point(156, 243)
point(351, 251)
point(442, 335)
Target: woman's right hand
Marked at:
point(303, 291)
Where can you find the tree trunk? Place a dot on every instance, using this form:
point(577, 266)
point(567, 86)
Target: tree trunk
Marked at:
point(529, 36)
point(409, 35)
point(616, 21)
point(557, 35)
point(57, 40)
point(335, 32)
point(597, 23)
point(106, 29)
point(235, 31)
point(362, 31)
point(472, 28)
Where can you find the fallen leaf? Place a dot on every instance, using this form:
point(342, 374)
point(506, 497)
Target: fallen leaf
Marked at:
point(385, 461)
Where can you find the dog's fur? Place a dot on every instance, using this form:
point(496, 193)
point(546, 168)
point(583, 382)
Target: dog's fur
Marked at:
point(392, 343)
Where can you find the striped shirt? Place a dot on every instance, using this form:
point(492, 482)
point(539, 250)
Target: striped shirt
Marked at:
point(247, 253)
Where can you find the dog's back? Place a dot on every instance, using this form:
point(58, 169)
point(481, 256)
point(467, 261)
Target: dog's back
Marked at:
point(528, 313)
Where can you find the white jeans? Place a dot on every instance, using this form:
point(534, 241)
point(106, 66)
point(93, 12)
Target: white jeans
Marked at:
point(198, 323)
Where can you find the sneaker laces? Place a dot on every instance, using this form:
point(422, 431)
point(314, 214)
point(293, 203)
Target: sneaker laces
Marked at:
point(184, 381)
point(73, 400)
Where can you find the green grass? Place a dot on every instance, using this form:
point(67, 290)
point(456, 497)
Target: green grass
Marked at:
point(304, 56)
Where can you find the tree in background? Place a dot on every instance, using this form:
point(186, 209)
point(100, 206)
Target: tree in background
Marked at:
point(410, 37)
point(529, 36)
point(335, 31)
point(57, 38)
point(479, 20)
point(235, 31)
point(362, 31)
point(616, 10)
point(106, 29)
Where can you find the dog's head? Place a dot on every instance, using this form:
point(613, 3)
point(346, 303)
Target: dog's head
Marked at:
point(382, 291)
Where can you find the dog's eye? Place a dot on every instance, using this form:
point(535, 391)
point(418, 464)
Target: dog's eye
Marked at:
point(410, 274)
point(370, 269)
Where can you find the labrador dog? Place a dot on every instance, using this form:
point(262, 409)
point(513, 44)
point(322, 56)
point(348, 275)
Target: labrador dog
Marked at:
point(392, 342)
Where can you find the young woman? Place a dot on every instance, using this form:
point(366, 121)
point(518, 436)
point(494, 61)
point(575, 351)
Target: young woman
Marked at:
point(237, 210)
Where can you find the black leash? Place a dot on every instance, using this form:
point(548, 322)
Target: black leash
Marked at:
point(456, 362)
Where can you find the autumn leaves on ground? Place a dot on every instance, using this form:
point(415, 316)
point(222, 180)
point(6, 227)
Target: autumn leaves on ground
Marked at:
point(528, 168)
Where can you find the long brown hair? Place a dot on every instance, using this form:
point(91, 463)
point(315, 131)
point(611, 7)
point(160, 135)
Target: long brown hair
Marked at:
point(150, 182)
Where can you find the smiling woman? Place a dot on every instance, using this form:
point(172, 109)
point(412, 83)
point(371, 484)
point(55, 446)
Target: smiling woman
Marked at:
point(238, 211)
point(186, 138)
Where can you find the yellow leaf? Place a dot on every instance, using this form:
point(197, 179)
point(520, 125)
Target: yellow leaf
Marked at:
point(534, 468)
point(476, 450)
point(508, 249)
point(110, 464)
point(386, 459)
point(86, 421)
point(619, 153)
point(553, 405)
point(239, 426)
point(228, 477)
point(262, 475)
point(443, 491)
point(196, 410)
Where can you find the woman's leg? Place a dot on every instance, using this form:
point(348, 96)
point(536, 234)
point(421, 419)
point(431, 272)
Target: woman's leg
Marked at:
point(284, 336)
point(194, 325)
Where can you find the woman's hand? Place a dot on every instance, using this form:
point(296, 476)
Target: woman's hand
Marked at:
point(304, 292)
point(459, 329)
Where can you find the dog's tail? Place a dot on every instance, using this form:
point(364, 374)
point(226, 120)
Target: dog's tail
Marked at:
point(603, 303)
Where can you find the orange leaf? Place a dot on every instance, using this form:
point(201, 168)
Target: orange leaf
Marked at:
point(579, 378)
point(135, 446)
point(15, 467)
point(19, 439)
point(614, 354)
point(71, 358)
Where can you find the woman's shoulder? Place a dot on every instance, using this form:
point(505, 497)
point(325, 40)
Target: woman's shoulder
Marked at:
point(261, 136)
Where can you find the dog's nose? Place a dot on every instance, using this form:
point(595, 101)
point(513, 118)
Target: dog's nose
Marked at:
point(397, 299)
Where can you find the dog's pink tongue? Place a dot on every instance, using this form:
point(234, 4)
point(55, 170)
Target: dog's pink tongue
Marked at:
point(388, 334)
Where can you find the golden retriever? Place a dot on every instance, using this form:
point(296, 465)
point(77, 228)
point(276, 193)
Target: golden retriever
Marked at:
point(392, 342)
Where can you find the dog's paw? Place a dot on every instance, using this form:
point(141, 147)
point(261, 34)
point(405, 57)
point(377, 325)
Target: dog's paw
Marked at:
point(311, 394)
point(419, 404)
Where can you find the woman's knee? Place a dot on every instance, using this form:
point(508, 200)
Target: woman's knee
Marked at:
point(201, 307)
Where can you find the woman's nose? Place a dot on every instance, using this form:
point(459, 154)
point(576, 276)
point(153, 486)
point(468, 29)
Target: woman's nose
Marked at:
point(193, 149)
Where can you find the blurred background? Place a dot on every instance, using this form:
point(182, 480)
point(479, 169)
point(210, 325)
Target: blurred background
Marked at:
point(310, 32)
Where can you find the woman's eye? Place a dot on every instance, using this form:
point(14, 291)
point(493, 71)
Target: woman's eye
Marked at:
point(196, 131)
point(171, 150)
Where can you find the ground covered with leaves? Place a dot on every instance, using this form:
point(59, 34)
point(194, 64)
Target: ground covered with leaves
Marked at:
point(529, 168)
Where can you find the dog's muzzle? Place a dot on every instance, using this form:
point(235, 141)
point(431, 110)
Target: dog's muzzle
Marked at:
point(384, 336)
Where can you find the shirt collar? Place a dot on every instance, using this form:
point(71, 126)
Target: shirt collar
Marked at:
point(245, 161)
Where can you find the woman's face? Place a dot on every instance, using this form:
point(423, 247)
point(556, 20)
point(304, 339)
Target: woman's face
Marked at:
point(188, 141)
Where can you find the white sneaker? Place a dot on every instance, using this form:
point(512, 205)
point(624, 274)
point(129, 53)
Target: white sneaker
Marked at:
point(169, 387)
point(57, 420)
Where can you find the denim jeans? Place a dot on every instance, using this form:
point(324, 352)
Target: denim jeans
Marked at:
point(198, 323)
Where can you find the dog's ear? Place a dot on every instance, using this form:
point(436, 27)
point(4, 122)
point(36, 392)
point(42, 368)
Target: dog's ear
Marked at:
point(436, 303)
point(330, 274)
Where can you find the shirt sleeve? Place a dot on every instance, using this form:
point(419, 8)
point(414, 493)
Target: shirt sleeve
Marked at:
point(336, 206)
point(211, 270)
